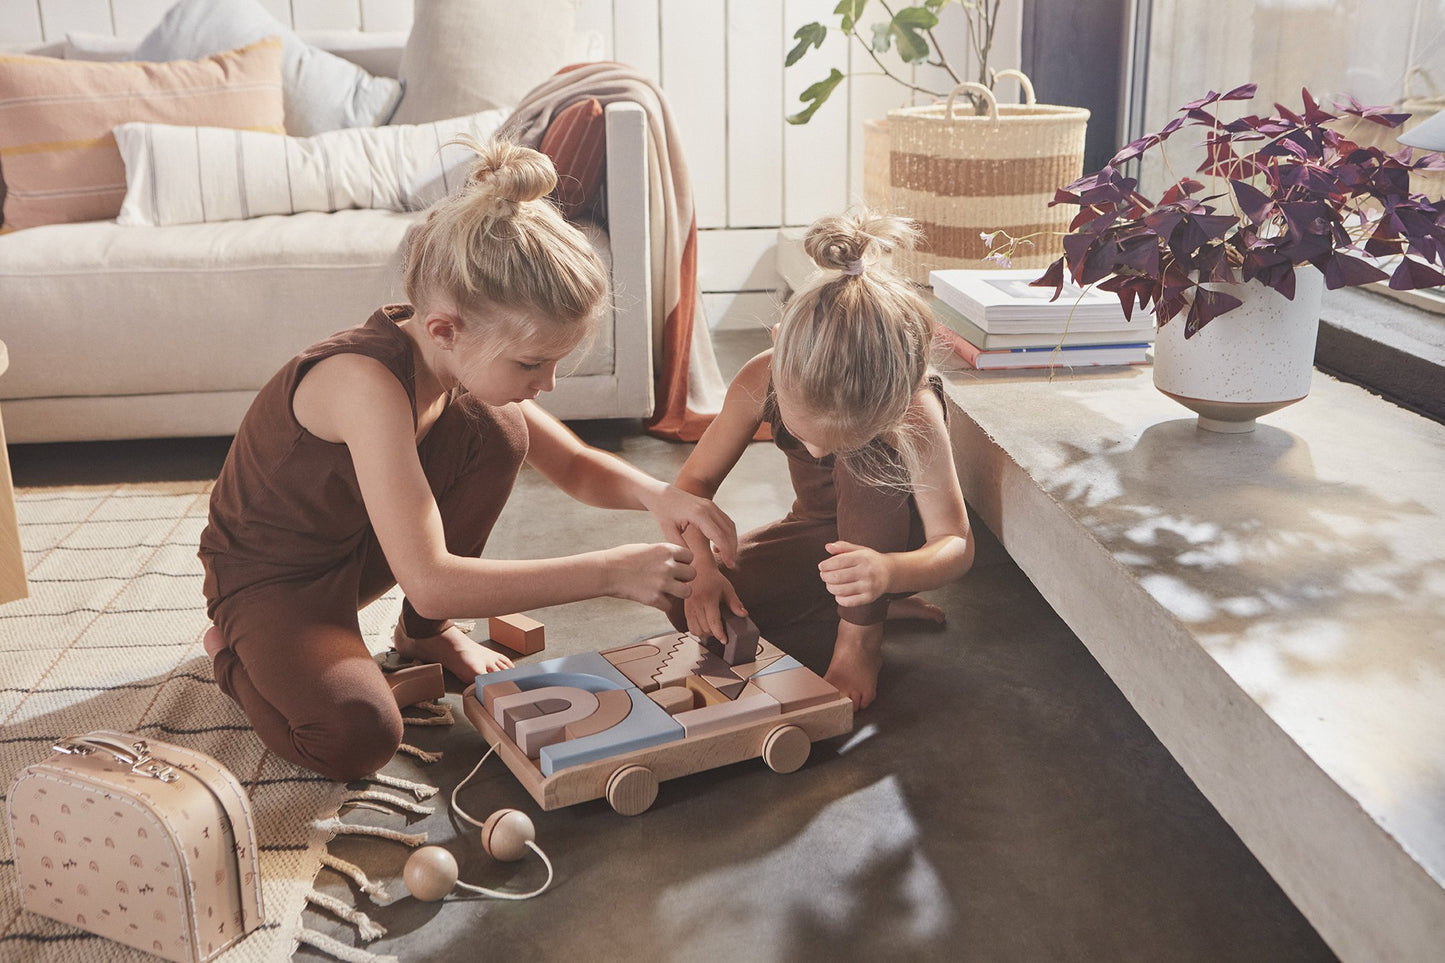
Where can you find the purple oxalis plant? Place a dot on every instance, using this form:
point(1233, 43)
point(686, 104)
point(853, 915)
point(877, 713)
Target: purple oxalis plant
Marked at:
point(1290, 190)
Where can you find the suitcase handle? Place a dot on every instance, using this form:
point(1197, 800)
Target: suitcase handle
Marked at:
point(137, 754)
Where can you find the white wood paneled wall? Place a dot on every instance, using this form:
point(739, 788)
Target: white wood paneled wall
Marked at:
point(720, 63)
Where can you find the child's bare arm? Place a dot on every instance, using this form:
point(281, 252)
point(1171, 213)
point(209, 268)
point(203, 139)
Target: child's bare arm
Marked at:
point(857, 575)
point(353, 400)
point(717, 452)
point(597, 478)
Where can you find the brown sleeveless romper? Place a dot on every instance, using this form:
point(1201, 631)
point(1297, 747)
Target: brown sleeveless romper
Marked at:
point(290, 556)
point(777, 575)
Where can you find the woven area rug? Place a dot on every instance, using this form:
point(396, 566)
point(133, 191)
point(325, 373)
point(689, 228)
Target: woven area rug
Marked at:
point(110, 639)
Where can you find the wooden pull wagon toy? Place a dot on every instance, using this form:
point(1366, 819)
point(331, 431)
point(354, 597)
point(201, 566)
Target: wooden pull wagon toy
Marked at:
point(618, 722)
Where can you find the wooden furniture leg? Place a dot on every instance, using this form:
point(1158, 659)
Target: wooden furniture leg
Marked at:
point(12, 561)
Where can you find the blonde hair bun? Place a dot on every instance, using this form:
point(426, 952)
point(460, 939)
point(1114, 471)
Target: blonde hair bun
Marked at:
point(841, 240)
point(510, 172)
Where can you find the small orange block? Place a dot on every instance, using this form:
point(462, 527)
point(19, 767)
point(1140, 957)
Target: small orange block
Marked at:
point(519, 633)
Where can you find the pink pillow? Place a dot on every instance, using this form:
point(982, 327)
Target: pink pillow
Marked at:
point(59, 158)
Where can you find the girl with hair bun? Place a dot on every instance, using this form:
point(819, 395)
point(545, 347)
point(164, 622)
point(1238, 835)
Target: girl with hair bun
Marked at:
point(879, 514)
point(383, 456)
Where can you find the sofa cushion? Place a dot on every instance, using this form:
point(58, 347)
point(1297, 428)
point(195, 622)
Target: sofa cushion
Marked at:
point(239, 299)
point(323, 91)
point(187, 175)
point(60, 159)
point(468, 55)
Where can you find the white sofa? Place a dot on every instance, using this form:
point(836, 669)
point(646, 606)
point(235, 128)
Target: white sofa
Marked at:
point(135, 332)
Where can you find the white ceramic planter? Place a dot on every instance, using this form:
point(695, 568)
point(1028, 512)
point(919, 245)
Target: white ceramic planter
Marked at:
point(1247, 362)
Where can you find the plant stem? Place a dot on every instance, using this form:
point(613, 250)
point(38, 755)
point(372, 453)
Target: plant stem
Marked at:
point(853, 32)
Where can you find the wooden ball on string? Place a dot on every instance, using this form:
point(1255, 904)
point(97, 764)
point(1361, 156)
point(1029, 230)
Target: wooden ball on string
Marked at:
point(430, 873)
point(506, 833)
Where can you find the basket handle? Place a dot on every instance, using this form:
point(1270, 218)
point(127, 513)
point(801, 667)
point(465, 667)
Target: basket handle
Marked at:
point(973, 88)
point(1024, 83)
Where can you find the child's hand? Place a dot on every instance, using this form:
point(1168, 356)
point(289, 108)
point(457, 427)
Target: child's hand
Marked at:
point(855, 575)
point(676, 509)
point(710, 591)
point(649, 573)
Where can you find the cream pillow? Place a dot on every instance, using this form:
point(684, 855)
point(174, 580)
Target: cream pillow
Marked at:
point(323, 91)
point(466, 55)
point(188, 175)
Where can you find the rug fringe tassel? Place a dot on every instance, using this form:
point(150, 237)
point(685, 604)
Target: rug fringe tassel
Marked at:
point(421, 754)
point(441, 715)
point(376, 795)
point(338, 949)
point(418, 789)
point(338, 828)
point(376, 890)
point(367, 928)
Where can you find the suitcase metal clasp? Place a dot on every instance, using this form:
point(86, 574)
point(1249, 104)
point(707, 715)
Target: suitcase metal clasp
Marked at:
point(137, 754)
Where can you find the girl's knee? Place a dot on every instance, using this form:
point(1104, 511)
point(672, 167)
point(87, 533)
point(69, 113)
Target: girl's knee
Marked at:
point(358, 739)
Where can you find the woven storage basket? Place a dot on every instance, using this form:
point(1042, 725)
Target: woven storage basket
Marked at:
point(960, 175)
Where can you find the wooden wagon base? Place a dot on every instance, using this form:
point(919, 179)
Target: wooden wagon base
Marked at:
point(629, 780)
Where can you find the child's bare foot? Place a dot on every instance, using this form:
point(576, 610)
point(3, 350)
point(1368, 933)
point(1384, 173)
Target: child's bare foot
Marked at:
point(453, 649)
point(857, 659)
point(916, 607)
point(212, 641)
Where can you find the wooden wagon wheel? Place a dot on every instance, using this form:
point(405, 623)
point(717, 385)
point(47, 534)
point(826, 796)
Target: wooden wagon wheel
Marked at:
point(631, 789)
point(786, 749)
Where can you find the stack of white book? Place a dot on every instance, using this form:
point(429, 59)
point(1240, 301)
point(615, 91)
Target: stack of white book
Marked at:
point(995, 319)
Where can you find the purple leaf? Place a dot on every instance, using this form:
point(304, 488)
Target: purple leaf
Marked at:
point(1140, 254)
point(1213, 265)
point(1180, 189)
point(1256, 205)
point(1313, 113)
point(1051, 278)
point(1342, 270)
point(1412, 274)
point(1076, 249)
point(1134, 148)
point(1242, 92)
point(1207, 306)
point(1204, 101)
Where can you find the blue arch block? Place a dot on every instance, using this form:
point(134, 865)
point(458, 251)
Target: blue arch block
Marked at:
point(563, 670)
point(648, 724)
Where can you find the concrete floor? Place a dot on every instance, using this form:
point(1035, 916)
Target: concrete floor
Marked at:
point(1001, 801)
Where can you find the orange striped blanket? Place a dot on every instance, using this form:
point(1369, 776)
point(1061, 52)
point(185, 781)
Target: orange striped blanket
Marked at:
point(689, 388)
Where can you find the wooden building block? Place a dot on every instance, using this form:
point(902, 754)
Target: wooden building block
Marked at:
point(613, 705)
point(492, 690)
point(741, 644)
point(766, 656)
point(520, 633)
point(627, 653)
point(641, 662)
point(796, 688)
point(560, 707)
point(645, 726)
point(681, 662)
point(675, 698)
point(511, 708)
point(725, 715)
point(719, 675)
point(589, 670)
point(707, 694)
point(417, 683)
point(778, 665)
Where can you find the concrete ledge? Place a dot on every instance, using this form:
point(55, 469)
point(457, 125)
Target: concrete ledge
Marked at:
point(1272, 604)
point(1385, 345)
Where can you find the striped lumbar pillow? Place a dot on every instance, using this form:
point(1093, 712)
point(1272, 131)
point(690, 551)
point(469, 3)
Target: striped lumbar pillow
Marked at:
point(187, 175)
point(56, 149)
